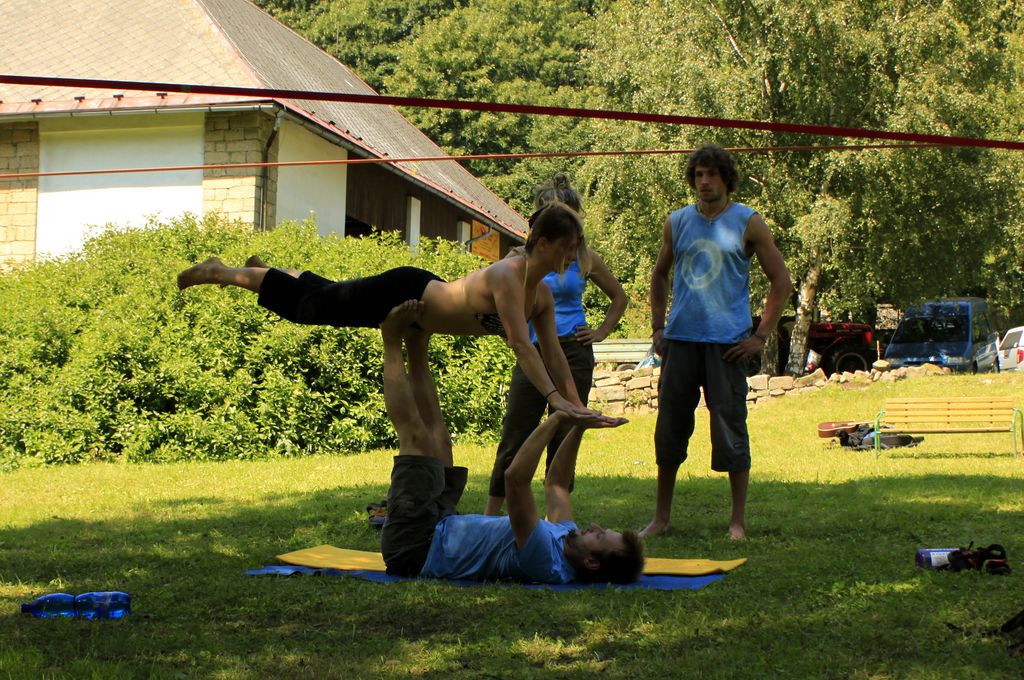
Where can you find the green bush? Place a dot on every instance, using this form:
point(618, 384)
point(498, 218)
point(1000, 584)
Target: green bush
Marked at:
point(104, 359)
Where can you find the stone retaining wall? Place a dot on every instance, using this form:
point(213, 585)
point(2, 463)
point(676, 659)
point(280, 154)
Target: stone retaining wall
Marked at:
point(636, 390)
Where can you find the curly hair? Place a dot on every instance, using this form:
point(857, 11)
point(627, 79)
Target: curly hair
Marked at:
point(713, 156)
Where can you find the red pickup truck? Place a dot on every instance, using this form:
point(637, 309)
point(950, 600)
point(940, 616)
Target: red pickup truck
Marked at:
point(841, 346)
point(835, 346)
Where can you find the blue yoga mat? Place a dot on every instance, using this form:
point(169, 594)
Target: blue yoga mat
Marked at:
point(645, 583)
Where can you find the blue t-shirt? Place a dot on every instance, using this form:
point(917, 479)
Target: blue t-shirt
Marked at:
point(568, 293)
point(483, 548)
point(711, 284)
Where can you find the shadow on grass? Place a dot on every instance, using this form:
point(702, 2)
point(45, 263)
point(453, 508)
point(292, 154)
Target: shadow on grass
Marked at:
point(191, 501)
point(910, 454)
point(830, 590)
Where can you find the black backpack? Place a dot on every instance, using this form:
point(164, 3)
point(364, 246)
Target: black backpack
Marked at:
point(862, 439)
point(991, 559)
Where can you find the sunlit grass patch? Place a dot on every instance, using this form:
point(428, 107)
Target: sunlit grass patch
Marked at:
point(830, 588)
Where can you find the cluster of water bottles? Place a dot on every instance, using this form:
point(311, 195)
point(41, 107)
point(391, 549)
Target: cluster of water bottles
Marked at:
point(100, 605)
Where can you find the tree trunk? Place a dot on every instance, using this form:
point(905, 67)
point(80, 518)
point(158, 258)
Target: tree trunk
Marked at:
point(804, 313)
point(770, 355)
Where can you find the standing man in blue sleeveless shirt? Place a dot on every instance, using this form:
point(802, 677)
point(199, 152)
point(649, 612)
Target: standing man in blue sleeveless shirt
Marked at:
point(708, 246)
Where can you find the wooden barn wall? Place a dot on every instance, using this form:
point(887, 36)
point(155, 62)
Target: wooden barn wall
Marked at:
point(378, 197)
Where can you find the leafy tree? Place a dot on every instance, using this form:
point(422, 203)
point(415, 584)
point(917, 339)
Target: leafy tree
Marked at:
point(510, 51)
point(362, 34)
point(855, 227)
point(1004, 268)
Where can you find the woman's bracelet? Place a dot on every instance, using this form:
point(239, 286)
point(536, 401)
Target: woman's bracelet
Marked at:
point(553, 390)
point(760, 337)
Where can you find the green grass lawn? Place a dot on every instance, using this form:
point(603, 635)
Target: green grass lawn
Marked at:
point(830, 589)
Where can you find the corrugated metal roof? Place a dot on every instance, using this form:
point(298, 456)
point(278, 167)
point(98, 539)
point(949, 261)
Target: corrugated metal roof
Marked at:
point(214, 42)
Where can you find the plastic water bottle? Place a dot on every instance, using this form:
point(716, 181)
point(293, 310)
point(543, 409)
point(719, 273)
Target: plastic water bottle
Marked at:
point(51, 606)
point(96, 605)
point(105, 605)
point(933, 558)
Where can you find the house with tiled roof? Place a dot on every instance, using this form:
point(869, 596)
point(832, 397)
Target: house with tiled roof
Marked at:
point(48, 129)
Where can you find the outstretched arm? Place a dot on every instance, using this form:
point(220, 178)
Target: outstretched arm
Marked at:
point(522, 507)
point(555, 363)
point(557, 502)
point(558, 387)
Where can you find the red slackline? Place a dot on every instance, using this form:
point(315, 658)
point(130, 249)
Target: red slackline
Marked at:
point(423, 102)
point(468, 157)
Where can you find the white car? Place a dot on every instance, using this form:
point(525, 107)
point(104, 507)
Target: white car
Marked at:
point(1011, 350)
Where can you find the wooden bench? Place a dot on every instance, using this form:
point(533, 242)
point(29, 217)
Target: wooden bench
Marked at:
point(621, 350)
point(949, 415)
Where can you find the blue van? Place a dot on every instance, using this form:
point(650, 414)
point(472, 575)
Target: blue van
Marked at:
point(950, 332)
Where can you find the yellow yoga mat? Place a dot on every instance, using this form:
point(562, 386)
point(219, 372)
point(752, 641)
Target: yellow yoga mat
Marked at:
point(329, 557)
point(671, 566)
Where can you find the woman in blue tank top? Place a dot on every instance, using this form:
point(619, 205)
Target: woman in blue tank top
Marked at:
point(526, 405)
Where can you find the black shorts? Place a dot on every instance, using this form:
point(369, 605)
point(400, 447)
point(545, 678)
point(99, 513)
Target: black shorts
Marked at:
point(423, 492)
point(314, 300)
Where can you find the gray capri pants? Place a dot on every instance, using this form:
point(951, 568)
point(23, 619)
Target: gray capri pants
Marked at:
point(685, 368)
point(423, 492)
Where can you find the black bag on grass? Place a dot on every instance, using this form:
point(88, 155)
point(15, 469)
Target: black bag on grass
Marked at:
point(862, 438)
point(991, 560)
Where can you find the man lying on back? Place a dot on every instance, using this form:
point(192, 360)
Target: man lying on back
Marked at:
point(424, 535)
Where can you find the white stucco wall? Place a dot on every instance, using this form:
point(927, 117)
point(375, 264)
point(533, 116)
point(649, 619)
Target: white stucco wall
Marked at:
point(73, 206)
point(412, 222)
point(311, 189)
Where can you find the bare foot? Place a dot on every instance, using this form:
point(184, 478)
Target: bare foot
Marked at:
point(255, 261)
point(737, 532)
point(401, 317)
point(203, 272)
point(656, 528)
